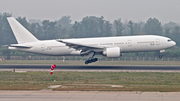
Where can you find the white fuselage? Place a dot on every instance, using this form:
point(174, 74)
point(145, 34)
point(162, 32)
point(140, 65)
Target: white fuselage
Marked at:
point(126, 43)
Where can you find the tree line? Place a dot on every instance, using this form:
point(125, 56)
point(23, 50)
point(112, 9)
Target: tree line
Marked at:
point(90, 26)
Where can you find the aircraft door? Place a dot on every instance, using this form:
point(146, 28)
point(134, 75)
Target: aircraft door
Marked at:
point(42, 47)
point(157, 42)
point(129, 43)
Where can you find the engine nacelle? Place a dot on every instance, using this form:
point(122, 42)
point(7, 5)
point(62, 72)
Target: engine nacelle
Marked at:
point(113, 52)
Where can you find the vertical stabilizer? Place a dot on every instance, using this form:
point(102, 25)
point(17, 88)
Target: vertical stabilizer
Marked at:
point(22, 34)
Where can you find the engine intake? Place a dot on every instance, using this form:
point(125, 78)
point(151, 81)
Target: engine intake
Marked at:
point(113, 52)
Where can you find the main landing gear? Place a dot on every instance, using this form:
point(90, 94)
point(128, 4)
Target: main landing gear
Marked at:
point(91, 59)
point(160, 55)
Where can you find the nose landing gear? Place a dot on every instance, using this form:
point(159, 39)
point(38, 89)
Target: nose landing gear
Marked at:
point(160, 54)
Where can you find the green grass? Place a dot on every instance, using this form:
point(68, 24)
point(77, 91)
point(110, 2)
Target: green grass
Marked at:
point(103, 63)
point(97, 81)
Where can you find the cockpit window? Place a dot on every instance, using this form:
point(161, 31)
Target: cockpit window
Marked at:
point(169, 40)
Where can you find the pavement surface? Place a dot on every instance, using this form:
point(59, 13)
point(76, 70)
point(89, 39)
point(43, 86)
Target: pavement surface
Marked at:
point(48, 95)
point(93, 68)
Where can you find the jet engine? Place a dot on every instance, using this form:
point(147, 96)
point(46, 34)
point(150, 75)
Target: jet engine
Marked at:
point(112, 52)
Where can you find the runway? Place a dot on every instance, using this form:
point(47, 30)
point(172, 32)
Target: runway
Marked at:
point(47, 95)
point(86, 67)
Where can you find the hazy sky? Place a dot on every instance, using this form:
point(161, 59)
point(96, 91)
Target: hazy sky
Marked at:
point(136, 10)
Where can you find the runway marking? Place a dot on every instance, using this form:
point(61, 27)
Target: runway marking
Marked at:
point(117, 86)
point(54, 86)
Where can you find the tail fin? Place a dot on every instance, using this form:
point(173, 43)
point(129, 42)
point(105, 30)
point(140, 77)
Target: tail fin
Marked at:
point(22, 34)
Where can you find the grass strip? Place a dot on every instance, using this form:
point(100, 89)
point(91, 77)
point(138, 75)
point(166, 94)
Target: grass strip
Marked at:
point(91, 81)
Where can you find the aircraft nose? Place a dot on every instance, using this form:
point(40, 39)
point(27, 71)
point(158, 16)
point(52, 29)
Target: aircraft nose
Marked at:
point(173, 43)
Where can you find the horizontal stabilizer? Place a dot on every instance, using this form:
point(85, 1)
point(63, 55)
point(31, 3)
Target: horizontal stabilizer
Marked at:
point(19, 46)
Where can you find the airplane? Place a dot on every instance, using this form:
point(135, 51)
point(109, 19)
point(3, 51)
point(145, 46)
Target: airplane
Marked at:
point(111, 47)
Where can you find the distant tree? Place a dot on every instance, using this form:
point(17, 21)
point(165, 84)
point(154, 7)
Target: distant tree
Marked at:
point(50, 29)
point(7, 53)
point(173, 33)
point(176, 30)
point(119, 26)
point(130, 25)
point(101, 23)
point(167, 30)
point(37, 30)
point(170, 25)
point(65, 22)
point(24, 22)
point(153, 26)
point(92, 26)
point(137, 28)
point(6, 35)
point(107, 29)
point(64, 27)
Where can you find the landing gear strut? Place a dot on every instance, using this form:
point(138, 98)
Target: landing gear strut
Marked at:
point(160, 55)
point(91, 59)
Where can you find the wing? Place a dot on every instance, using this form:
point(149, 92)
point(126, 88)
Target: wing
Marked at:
point(82, 47)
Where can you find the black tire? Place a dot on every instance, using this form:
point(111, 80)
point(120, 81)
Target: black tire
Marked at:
point(90, 61)
point(96, 59)
point(93, 60)
point(160, 56)
point(86, 62)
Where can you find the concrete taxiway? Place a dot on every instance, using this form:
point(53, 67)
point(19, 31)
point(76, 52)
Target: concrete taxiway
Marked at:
point(48, 95)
